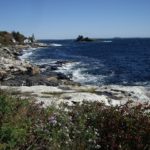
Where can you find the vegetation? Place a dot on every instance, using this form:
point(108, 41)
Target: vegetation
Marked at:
point(25, 125)
point(18, 37)
point(6, 38)
point(12, 38)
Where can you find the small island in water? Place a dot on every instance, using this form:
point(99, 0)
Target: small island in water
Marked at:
point(81, 38)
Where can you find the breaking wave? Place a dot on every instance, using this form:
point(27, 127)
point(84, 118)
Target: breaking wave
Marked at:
point(55, 44)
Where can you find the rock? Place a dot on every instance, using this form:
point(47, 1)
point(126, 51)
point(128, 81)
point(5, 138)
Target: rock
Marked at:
point(61, 62)
point(52, 79)
point(81, 38)
point(7, 50)
point(3, 74)
point(15, 72)
point(41, 45)
point(21, 69)
point(53, 68)
point(35, 70)
point(70, 82)
point(62, 76)
point(42, 66)
point(29, 80)
point(9, 77)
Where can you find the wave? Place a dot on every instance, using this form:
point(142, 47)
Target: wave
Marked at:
point(109, 41)
point(78, 75)
point(78, 72)
point(27, 52)
point(68, 68)
point(55, 44)
point(32, 48)
point(25, 55)
point(45, 62)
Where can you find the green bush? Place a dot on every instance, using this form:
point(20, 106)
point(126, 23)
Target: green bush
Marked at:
point(18, 37)
point(26, 125)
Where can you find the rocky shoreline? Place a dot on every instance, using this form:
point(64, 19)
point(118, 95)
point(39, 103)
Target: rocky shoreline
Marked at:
point(47, 86)
point(16, 72)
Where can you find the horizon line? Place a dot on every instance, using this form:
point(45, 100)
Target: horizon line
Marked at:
point(94, 38)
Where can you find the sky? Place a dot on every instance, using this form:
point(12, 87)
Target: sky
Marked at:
point(66, 19)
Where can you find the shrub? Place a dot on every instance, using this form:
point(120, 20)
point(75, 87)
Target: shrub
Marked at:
point(26, 125)
point(16, 118)
point(18, 37)
point(7, 38)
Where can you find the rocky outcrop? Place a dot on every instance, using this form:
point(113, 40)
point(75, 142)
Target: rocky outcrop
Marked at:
point(3, 74)
point(15, 72)
point(8, 52)
point(81, 38)
point(11, 66)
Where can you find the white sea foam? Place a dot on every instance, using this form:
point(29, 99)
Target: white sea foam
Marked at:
point(25, 55)
point(33, 48)
point(79, 73)
point(107, 41)
point(81, 77)
point(45, 62)
point(55, 44)
point(68, 68)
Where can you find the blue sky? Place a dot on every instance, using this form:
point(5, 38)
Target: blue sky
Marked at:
point(60, 19)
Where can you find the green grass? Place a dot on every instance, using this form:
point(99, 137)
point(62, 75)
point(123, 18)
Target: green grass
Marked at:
point(25, 125)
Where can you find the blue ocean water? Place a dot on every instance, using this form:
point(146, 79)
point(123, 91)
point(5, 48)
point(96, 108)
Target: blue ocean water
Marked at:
point(103, 62)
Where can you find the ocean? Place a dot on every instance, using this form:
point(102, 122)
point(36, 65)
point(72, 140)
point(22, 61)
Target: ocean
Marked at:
point(115, 61)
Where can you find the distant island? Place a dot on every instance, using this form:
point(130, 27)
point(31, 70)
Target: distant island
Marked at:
point(81, 38)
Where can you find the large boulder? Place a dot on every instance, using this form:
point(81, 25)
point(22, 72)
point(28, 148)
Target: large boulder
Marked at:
point(3, 74)
point(35, 70)
point(52, 79)
point(32, 70)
